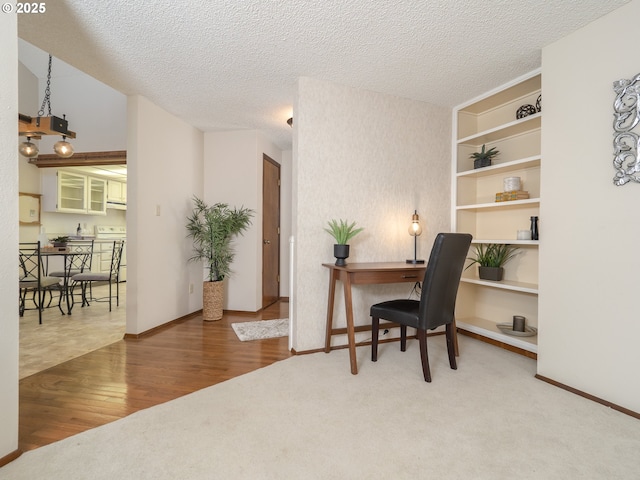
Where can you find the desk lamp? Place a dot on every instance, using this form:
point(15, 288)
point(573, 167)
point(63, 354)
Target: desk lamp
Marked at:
point(415, 230)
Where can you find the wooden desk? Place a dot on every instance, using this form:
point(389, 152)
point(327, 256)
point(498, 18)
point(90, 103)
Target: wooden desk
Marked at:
point(363, 274)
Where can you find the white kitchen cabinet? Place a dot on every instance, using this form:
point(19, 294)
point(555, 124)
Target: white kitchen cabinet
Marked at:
point(491, 120)
point(69, 192)
point(116, 192)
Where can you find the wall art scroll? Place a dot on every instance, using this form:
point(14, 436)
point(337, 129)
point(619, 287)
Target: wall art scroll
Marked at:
point(626, 113)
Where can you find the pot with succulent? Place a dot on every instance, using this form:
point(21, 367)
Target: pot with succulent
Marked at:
point(483, 158)
point(212, 228)
point(491, 259)
point(342, 231)
point(60, 241)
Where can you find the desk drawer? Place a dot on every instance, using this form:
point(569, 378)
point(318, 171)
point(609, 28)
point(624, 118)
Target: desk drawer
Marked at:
point(373, 277)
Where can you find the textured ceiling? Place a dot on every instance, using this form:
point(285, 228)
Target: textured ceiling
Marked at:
point(228, 65)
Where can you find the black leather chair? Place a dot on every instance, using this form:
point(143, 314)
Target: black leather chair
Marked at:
point(437, 300)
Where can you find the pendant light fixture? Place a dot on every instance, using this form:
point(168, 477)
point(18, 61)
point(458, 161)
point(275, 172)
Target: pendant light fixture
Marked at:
point(41, 125)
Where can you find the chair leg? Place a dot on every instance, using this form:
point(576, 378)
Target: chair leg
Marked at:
point(455, 338)
point(109, 295)
point(451, 345)
point(403, 338)
point(375, 327)
point(422, 338)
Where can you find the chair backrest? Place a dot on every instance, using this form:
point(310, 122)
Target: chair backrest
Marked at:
point(116, 257)
point(83, 255)
point(30, 268)
point(441, 279)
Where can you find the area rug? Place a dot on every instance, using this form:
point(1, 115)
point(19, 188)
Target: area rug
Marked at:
point(261, 329)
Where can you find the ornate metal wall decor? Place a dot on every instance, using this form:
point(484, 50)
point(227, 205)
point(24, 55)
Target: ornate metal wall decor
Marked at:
point(626, 115)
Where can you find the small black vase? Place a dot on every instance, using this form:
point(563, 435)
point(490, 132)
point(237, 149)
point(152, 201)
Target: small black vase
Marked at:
point(534, 228)
point(341, 252)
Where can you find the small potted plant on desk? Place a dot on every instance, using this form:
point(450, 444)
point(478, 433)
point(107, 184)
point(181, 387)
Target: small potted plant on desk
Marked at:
point(342, 232)
point(491, 259)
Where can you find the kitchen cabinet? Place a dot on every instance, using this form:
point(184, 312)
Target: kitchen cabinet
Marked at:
point(69, 192)
point(116, 192)
point(491, 120)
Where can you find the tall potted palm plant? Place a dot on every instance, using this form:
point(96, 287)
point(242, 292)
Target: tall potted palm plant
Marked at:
point(212, 228)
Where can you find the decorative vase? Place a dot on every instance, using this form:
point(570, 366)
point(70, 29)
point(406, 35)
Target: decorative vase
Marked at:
point(212, 295)
point(341, 252)
point(534, 228)
point(491, 273)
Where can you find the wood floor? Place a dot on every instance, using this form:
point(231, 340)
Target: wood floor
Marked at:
point(130, 375)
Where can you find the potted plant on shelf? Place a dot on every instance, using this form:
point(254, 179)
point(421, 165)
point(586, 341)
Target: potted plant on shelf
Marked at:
point(342, 232)
point(212, 229)
point(491, 259)
point(483, 158)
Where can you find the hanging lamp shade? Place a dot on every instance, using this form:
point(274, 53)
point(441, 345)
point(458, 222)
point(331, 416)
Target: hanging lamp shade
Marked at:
point(28, 149)
point(63, 148)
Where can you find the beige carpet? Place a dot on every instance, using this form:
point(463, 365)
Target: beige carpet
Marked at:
point(63, 337)
point(307, 417)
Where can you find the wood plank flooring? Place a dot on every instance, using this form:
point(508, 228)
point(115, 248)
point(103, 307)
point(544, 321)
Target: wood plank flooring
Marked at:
point(133, 374)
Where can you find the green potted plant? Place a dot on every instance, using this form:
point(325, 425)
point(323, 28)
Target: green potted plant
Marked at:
point(60, 241)
point(342, 231)
point(483, 158)
point(212, 228)
point(491, 259)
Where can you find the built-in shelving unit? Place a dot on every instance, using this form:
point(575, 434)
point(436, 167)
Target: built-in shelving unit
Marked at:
point(491, 120)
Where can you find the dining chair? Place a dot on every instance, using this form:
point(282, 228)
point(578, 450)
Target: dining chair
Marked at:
point(77, 259)
point(80, 262)
point(33, 280)
point(437, 300)
point(86, 279)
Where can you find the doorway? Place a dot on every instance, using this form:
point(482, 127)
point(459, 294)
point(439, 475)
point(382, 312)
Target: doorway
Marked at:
point(270, 231)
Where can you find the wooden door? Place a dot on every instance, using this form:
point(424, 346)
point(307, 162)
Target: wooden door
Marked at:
point(270, 231)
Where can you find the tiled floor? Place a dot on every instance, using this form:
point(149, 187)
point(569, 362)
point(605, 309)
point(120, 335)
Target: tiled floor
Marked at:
point(63, 337)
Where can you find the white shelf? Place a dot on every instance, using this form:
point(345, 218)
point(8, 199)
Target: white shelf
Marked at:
point(499, 205)
point(520, 164)
point(506, 241)
point(522, 287)
point(488, 329)
point(490, 120)
point(511, 129)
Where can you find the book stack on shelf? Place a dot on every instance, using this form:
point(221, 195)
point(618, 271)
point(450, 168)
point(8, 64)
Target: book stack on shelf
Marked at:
point(512, 195)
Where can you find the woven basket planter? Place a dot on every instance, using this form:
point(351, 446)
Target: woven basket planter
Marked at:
point(212, 297)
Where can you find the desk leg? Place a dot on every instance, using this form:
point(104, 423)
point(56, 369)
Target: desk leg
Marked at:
point(351, 334)
point(333, 276)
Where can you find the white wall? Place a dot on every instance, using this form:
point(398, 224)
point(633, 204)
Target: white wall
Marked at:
point(165, 169)
point(589, 228)
point(370, 158)
point(8, 235)
point(233, 175)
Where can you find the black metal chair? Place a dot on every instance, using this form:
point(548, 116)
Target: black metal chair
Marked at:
point(78, 263)
point(33, 280)
point(86, 279)
point(437, 300)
